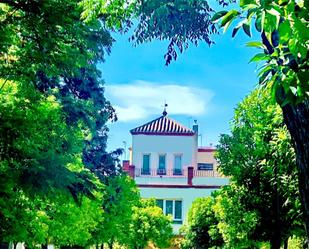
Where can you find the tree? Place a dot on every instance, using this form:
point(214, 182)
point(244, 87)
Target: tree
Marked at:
point(259, 158)
point(201, 230)
point(37, 164)
point(235, 221)
point(148, 224)
point(283, 27)
point(72, 224)
point(45, 44)
point(120, 197)
point(53, 110)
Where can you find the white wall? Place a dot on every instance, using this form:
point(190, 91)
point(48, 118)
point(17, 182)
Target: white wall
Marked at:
point(187, 195)
point(169, 145)
point(162, 180)
point(210, 181)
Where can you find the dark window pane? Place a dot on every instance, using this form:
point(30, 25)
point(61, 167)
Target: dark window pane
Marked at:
point(177, 222)
point(177, 165)
point(146, 165)
point(160, 203)
point(205, 166)
point(161, 161)
point(178, 210)
point(169, 207)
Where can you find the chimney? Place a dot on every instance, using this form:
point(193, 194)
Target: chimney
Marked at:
point(190, 175)
point(195, 127)
point(132, 171)
point(125, 165)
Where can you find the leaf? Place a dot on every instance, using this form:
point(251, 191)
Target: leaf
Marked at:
point(263, 20)
point(218, 15)
point(293, 90)
point(275, 38)
point(228, 17)
point(243, 3)
point(264, 76)
point(226, 26)
point(258, 23)
point(273, 12)
point(246, 28)
point(235, 30)
point(259, 57)
point(255, 44)
point(283, 2)
point(284, 31)
point(250, 7)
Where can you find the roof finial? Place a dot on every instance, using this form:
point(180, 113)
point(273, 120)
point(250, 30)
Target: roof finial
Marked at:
point(164, 111)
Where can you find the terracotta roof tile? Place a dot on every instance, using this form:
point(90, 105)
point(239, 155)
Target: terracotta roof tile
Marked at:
point(163, 126)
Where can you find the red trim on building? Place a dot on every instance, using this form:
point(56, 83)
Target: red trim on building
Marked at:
point(206, 149)
point(178, 186)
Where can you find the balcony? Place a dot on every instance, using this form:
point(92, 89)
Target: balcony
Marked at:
point(160, 172)
point(206, 173)
point(188, 176)
point(176, 172)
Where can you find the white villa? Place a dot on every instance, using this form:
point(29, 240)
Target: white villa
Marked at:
point(168, 165)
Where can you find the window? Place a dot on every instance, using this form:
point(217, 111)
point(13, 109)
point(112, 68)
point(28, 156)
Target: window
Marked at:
point(146, 164)
point(177, 165)
point(161, 168)
point(178, 210)
point(171, 207)
point(159, 203)
point(205, 166)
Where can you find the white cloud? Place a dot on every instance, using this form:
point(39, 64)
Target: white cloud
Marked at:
point(141, 99)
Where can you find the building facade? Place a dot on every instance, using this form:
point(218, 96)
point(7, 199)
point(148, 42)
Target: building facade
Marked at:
point(168, 165)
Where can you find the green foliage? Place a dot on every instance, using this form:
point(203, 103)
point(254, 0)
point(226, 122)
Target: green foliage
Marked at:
point(72, 224)
point(47, 37)
point(148, 224)
point(115, 14)
point(35, 161)
point(47, 44)
point(121, 196)
point(259, 158)
point(283, 25)
point(163, 20)
point(31, 149)
point(201, 230)
point(52, 121)
point(235, 222)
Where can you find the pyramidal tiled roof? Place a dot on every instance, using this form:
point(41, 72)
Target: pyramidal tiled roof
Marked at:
point(163, 126)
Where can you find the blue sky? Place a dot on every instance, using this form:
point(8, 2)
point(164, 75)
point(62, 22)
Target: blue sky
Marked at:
point(205, 83)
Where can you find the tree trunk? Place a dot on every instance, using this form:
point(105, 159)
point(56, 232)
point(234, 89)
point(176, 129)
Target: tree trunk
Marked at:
point(4, 245)
point(275, 243)
point(296, 119)
point(110, 244)
point(286, 244)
